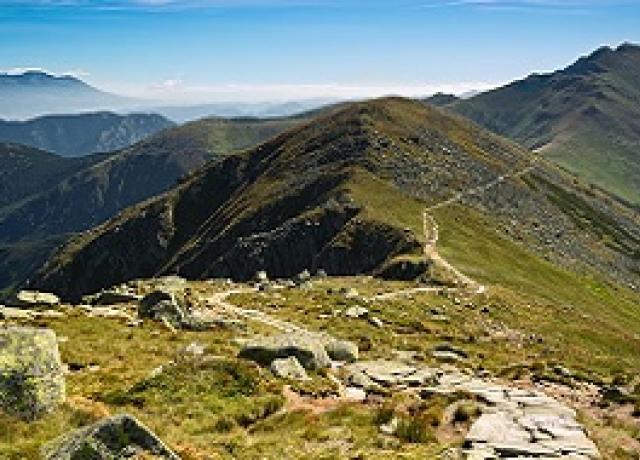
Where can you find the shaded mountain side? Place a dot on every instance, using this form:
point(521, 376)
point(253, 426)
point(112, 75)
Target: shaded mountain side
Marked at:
point(93, 195)
point(78, 135)
point(345, 193)
point(585, 117)
point(25, 171)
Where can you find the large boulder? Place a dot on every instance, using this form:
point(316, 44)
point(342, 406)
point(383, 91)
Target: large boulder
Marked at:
point(117, 437)
point(309, 351)
point(31, 379)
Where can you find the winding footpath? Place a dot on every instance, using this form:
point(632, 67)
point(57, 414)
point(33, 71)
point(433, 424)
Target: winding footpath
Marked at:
point(431, 232)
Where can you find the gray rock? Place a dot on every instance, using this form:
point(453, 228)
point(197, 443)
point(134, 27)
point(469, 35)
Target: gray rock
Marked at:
point(262, 277)
point(303, 277)
point(321, 273)
point(376, 322)
point(342, 350)
point(446, 356)
point(112, 297)
point(356, 312)
point(31, 373)
point(162, 304)
point(117, 437)
point(15, 313)
point(34, 299)
point(310, 352)
point(288, 368)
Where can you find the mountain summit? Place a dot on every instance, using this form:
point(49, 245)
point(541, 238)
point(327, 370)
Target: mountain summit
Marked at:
point(586, 117)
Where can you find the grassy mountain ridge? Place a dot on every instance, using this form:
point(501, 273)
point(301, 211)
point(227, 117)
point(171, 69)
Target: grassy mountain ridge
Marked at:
point(77, 135)
point(584, 117)
point(318, 196)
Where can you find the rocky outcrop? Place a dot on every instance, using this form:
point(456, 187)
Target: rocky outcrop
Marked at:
point(117, 437)
point(31, 378)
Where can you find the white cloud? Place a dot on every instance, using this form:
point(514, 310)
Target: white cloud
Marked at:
point(177, 91)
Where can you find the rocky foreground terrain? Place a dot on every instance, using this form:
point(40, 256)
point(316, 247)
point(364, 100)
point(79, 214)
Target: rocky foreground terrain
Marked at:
point(309, 367)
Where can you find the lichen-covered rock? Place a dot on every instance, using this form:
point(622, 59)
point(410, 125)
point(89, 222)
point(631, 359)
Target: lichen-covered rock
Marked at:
point(309, 351)
point(117, 437)
point(31, 379)
point(342, 350)
point(288, 368)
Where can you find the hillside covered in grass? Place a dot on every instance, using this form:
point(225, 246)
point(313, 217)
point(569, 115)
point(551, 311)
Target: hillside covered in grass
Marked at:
point(584, 117)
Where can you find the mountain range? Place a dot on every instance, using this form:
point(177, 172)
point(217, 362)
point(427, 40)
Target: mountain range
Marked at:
point(317, 197)
point(585, 117)
point(81, 134)
point(35, 93)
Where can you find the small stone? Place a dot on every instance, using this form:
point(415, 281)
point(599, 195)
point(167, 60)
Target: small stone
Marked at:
point(288, 368)
point(194, 349)
point(375, 321)
point(356, 312)
point(303, 277)
point(342, 350)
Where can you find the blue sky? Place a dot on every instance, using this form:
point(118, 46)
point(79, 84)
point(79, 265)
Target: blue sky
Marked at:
point(287, 49)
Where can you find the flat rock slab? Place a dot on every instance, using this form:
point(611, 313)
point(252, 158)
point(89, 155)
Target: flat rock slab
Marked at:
point(31, 373)
point(118, 437)
point(515, 423)
point(34, 299)
point(388, 374)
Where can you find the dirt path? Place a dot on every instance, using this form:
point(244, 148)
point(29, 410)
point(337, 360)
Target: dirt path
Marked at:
point(431, 231)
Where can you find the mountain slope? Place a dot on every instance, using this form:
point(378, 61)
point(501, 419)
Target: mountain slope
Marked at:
point(36, 93)
point(25, 171)
point(77, 135)
point(346, 193)
point(585, 117)
point(75, 199)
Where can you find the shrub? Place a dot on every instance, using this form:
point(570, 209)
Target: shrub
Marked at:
point(414, 430)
